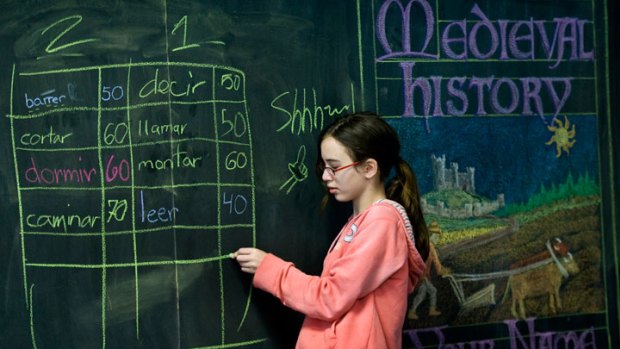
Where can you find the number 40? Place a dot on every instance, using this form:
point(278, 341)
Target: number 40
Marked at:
point(236, 202)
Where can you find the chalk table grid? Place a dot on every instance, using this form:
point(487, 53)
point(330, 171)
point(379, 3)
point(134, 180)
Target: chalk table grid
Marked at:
point(134, 182)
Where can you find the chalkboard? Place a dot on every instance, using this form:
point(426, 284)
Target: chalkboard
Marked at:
point(143, 141)
point(146, 140)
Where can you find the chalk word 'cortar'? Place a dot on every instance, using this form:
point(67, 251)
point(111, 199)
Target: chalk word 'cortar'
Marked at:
point(44, 138)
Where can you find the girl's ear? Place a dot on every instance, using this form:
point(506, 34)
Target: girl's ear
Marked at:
point(371, 168)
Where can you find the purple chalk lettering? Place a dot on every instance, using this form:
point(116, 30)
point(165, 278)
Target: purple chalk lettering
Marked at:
point(587, 339)
point(548, 48)
point(415, 339)
point(409, 87)
point(570, 25)
point(407, 68)
point(458, 93)
point(545, 340)
point(551, 340)
point(587, 56)
point(440, 341)
point(486, 24)
point(515, 335)
point(503, 52)
point(534, 94)
point(514, 96)
point(528, 37)
point(570, 340)
point(405, 29)
point(514, 39)
point(557, 102)
point(480, 84)
point(437, 100)
point(446, 40)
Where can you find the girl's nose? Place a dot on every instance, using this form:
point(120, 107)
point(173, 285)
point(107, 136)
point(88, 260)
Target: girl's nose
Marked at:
point(325, 176)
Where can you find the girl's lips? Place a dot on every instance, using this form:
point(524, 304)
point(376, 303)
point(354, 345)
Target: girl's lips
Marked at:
point(332, 190)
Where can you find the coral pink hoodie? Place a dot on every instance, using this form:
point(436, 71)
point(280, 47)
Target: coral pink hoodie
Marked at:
point(360, 299)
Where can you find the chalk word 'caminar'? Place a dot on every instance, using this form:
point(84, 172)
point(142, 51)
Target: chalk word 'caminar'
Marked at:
point(61, 221)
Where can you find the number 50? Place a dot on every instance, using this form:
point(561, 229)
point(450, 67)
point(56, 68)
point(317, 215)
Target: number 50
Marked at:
point(231, 81)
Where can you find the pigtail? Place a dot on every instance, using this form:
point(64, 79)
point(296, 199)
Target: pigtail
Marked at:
point(403, 188)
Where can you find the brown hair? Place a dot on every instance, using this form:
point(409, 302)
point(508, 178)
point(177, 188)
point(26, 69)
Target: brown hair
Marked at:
point(367, 136)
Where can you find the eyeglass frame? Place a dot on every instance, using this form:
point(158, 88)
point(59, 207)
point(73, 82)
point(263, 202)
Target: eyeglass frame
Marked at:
point(332, 171)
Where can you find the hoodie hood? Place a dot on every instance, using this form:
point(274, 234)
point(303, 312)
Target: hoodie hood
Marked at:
point(416, 264)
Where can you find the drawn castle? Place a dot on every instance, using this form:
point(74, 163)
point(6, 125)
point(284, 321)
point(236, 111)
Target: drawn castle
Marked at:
point(450, 178)
point(444, 178)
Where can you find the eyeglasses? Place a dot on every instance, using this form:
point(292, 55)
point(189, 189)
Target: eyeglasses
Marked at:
point(331, 172)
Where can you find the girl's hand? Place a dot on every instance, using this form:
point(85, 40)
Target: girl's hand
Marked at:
point(249, 258)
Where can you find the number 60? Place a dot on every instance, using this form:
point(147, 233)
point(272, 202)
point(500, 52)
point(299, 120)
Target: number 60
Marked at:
point(236, 159)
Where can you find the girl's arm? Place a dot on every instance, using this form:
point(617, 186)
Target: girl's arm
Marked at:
point(378, 250)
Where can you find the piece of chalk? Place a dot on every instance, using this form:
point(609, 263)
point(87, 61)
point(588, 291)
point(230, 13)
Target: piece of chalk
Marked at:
point(231, 255)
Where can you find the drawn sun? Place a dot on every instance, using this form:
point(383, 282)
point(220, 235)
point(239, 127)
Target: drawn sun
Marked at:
point(563, 136)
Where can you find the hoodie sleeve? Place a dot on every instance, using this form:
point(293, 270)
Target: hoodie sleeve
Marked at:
point(378, 250)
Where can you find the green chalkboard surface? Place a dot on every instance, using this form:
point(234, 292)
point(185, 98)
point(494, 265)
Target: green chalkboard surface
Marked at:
point(142, 142)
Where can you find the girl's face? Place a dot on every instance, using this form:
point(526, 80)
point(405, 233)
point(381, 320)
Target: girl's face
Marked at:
point(342, 181)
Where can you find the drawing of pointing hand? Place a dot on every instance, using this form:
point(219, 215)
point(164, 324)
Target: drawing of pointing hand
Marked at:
point(298, 170)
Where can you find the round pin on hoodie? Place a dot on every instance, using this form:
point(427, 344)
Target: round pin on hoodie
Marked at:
point(349, 236)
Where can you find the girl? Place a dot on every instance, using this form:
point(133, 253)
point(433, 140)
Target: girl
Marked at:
point(360, 299)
